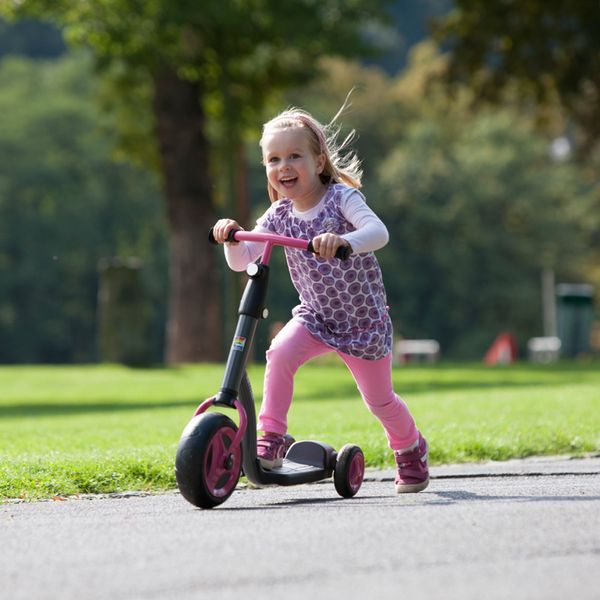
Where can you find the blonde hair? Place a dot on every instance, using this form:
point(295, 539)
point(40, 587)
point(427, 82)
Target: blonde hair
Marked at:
point(339, 167)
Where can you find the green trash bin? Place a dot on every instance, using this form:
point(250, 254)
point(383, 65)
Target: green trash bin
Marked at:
point(575, 314)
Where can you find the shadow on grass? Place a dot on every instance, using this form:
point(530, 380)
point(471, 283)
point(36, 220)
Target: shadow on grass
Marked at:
point(342, 387)
point(341, 391)
point(348, 389)
point(56, 409)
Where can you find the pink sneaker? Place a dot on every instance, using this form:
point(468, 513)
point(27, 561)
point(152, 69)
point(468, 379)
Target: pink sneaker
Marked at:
point(270, 449)
point(413, 472)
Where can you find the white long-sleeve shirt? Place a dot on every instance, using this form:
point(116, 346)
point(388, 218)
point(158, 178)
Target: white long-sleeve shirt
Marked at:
point(370, 234)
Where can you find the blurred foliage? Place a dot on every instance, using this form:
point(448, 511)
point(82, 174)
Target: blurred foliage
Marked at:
point(64, 204)
point(239, 53)
point(473, 201)
point(548, 50)
point(476, 210)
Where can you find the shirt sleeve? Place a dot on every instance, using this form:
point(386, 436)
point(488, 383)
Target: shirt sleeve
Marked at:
point(240, 255)
point(371, 234)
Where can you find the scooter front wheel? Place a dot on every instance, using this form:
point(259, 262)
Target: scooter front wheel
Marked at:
point(208, 466)
point(349, 470)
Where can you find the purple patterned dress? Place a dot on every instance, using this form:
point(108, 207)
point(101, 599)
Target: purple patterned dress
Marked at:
point(342, 303)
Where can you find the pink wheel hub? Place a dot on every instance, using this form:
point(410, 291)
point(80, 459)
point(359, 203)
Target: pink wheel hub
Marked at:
point(222, 462)
point(356, 472)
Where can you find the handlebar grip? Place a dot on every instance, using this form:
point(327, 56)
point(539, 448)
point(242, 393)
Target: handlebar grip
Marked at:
point(230, 236)
point(343, 252)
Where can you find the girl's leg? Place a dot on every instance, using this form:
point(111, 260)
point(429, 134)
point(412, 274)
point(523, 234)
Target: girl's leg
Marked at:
point(289, 350)
point(374, 381)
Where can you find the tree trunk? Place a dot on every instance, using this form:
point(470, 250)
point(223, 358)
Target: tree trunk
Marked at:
point(193, 327)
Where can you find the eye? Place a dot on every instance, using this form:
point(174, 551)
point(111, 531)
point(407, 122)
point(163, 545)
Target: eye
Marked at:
point(294, 155)
point(272, 160)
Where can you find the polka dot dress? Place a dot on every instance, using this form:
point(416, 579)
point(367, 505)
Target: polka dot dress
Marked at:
point(342, 303)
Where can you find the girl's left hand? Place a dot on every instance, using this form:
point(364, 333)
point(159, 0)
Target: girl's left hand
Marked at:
point(327, 244)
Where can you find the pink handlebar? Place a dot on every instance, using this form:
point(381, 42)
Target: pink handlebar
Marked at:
point(272, 239)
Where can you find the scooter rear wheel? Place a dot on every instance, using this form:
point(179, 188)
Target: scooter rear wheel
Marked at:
point(349, 470)
point(207, 466)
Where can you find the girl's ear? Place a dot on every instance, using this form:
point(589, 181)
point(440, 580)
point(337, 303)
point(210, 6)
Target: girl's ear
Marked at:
point(321, 159)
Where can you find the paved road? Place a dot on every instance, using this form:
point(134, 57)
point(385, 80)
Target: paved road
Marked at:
point(518, 530)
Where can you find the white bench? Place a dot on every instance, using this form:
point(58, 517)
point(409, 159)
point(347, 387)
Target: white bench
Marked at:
point(420, 350)
point(544, 349)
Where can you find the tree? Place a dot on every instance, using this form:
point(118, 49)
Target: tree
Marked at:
point(548, 50)
point(202, 61)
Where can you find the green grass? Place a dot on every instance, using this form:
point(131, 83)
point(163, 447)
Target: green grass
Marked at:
point(97, 429)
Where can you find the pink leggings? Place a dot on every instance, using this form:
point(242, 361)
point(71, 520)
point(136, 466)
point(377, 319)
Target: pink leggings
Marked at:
point(293, 346)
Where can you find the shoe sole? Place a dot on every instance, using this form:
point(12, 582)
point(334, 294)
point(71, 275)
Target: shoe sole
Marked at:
point(411, 488)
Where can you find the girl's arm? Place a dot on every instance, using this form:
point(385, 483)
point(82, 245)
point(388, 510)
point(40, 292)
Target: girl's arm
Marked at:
point(237, 254)
point(240, 254)
point(371, 234)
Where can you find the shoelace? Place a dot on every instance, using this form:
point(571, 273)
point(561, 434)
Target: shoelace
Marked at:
point(271, 444)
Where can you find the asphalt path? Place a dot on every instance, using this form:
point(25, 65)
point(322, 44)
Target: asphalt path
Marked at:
point(521, 529)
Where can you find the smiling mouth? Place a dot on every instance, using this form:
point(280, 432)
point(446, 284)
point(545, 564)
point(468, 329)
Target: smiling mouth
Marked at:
point(288, 181)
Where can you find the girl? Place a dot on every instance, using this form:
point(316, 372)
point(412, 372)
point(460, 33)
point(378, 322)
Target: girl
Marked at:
point(314, 195)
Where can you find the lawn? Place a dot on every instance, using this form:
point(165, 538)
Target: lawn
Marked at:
point(94, 429)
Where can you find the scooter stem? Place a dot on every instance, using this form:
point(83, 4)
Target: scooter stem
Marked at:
point(252, 308)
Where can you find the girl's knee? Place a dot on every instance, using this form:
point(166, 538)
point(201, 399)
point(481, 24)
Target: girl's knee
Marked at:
point(378, 404)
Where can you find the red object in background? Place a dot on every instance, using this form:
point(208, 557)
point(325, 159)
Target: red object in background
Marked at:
point(503, 351)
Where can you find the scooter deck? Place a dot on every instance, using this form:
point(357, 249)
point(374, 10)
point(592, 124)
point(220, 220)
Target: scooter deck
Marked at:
point(305, 462)
point(293, 473)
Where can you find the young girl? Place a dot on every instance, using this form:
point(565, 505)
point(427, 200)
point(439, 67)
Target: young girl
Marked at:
point(314, 195)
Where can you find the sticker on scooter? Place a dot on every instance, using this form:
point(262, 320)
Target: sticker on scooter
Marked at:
point(239, 343)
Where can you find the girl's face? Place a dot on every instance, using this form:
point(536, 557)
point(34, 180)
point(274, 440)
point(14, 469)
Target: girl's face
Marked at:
point(292, 167)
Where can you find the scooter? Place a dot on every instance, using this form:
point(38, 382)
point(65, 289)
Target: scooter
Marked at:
point(213, 450)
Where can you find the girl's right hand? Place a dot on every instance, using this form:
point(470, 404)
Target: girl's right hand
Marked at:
point(222, 228)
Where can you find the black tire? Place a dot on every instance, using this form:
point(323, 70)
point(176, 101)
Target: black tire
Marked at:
point(349, 470)
point(207, 467)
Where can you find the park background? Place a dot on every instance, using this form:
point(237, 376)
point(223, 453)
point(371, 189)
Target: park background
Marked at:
point(480, 198)
point(128, 128)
